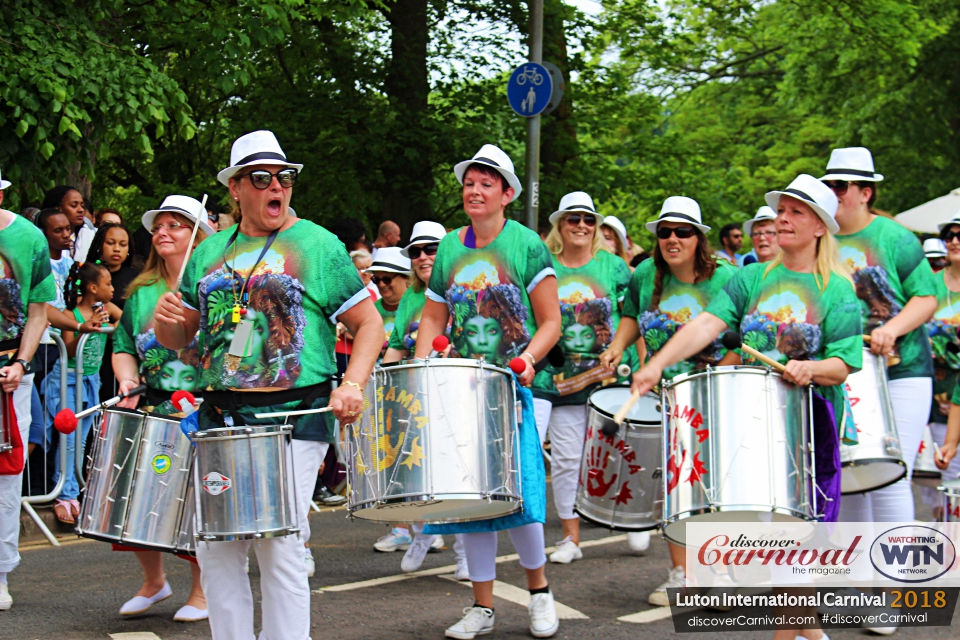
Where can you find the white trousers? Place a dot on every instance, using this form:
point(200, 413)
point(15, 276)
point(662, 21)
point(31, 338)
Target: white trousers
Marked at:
point(931, 496)
point(481, 550)
point(283, 576)
point(911, 398)
point(567, 427)
point(10, 485)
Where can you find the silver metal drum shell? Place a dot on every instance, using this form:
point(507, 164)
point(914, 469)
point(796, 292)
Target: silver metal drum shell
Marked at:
point(749, 433)
point(186, 540)
point(950, 491)
point(437, 442)
point(876, 460)
point(159, 488)
point(114, 456)
point(259, 501)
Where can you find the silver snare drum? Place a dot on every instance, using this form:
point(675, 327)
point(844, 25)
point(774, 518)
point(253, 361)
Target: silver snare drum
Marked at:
point(243, 483)
point(877, 460)
point(620, 484)
point(951, 501)
point(437, 441)
point(739, 449)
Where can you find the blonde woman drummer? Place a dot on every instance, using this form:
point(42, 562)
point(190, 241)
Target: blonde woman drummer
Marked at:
point(591, 282)
point(164, 371)
point(665, 293)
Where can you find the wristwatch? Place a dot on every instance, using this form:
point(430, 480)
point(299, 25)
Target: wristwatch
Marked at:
point(23, 363)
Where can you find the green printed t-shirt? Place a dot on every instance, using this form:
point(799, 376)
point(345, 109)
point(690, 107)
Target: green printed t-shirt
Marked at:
point(590, 298)
point(160, 368)
point(942, 330)
point(889, 268)
point(487, 292)
point(403, 337)
point(785, 316)
point(93, 349)
point(296, 292)
point(25, 276)
point(389, 319)
point(680, 303)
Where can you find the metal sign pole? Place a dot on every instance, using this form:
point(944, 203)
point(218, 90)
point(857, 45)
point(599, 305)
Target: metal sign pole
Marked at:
point(532, 186)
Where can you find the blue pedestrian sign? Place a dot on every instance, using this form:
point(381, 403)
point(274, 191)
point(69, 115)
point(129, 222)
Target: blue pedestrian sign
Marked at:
point(529, 89)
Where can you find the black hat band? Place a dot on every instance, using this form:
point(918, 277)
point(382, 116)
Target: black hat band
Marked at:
point(262, 155)
point(853, 172)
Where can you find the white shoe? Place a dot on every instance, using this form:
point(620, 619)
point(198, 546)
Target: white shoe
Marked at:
point(310, 564)
point(6, 600)
point(675, 580)
point(639, 541)
point(543, 616)
point(463, 572)
point(823, 637)
point(414, 556)
point(567, 551)
point(398, 538)
point(246, 565)
point(140, 604)
point(478, 621)
point(189, 613)
point(437, 545)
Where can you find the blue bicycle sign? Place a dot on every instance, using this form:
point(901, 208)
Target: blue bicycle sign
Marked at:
point(529, 89)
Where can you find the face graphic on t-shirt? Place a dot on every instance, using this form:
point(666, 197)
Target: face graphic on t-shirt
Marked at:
point(483, 336)
point(578, 338)
point(176, 375)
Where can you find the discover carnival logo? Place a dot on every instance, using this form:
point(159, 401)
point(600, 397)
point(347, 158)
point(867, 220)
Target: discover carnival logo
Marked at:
point(912, 554)
point(724, 550)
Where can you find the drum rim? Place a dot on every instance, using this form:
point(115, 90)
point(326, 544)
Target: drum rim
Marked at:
point(369, 506)
point(724, 370)
point(123, 410)
point(950, 488)
point(224, 433)
point(851, 463)
point(416, 363)
point(605, 413)
point(615, 527)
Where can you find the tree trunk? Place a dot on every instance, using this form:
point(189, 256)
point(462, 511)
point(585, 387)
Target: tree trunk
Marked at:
point(408, 175)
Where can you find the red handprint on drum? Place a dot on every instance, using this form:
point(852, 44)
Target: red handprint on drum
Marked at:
point(596, 486)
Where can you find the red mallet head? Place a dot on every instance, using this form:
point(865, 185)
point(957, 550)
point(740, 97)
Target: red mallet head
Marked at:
point(65, 421)
point(440, 343)
point(183, 395)
point(518, 365)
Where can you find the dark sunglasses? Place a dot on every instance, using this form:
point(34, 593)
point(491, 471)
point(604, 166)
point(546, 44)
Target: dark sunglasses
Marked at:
point(588, 219)
point(949, 236)
point(839, 187)
point(384, 280)
point(427, 249)
point(682, 232)
point(261, 178)
point(938, 263)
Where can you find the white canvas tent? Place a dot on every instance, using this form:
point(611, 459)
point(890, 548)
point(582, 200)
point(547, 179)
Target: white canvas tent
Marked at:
point(927, 216)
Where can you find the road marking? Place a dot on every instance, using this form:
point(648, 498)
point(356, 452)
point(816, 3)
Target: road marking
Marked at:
point(375, 582)
point(650, 615)
point(135, 635)
point(522, 598)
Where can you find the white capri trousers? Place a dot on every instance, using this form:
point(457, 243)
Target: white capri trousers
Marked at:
point(481, 550)
point(567, 426)
point(911, 398)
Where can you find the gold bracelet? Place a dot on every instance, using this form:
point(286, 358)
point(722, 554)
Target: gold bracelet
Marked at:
point(533, 361)
point(351, 383)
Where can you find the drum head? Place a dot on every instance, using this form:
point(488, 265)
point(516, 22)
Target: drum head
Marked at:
point(608, 401)
point(950, 487)
point(868, 475)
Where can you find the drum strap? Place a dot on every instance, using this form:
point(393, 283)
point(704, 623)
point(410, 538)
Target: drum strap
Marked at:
point(232, 401)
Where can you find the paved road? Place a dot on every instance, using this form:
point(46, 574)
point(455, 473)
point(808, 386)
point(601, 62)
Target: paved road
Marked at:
point(74, 592)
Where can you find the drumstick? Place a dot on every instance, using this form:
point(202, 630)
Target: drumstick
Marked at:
point(303, 412)
point(731, 340)
point(625, 409)
point(193, 236)
point(866, 339)
point(936, 451)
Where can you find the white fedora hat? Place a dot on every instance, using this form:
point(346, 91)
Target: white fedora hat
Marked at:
point(614, 223)
point(954, 220)
point(185, 206)
point(575, 202)
point(492, 156)
point(259, 147)
point(763, 213)
point(4, 184)
point(852, 163)
point(424, 232)
point(391, 260)
point(812, 192)
point(679, 209)
point(934, 248)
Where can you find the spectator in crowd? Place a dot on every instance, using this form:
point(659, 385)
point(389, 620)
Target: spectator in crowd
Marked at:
point(615, 236)
point(58, 231)
point(30, 213)
point(388, 235)
point(638, 257)
point(225, 221)
point(936, 252)
point(731, 239)
point(350, 232)
point(70, 202)
point(763, 233)
point(107, 215)
point(344, 347)
point(213, 215)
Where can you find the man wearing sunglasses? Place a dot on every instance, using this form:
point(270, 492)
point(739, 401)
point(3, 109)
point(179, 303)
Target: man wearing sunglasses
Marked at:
point(731, 239)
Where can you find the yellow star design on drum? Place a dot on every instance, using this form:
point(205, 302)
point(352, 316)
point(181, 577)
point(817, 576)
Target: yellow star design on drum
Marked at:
point(415, 457)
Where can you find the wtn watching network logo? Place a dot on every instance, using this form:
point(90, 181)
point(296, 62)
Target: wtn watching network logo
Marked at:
point(912, 554)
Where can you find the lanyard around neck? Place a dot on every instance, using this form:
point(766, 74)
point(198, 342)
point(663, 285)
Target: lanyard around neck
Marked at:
point(470, 239)
point(233, 272)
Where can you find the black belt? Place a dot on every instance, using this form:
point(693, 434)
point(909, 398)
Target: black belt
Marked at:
point(156, 397)
point(232, 401)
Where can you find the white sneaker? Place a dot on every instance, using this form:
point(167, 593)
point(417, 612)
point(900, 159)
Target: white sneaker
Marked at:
point(884, 631)
point(140, 604)
point(567, 551)
point(463, 571)
point(543, 616)
point(437, 545)
point(6, 600)
point(639, 541)
point(246, 565)
point(414, 556)
point(310, 564)
point(675, 580)
point(478, 621)
point(397, 539)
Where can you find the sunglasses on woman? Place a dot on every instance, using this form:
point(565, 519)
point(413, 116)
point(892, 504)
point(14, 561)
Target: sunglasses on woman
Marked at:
point(261, 178)
point(426, 249)
point(949, 236)
point(588, 219)
point(384, 280)
point(682, 232)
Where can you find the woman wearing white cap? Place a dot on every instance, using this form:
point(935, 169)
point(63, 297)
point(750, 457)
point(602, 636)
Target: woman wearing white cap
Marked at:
point(283, 283)
point(615, 235)
point(762, 231)
point(936, 252)
point(822, 346)
point(683, 270)
point(591, 282)
point(163, 370)
point(390, 271)
point(897, 291)
point(495, 280)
